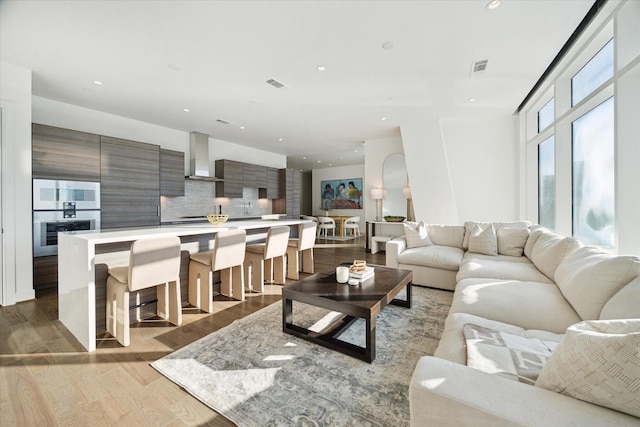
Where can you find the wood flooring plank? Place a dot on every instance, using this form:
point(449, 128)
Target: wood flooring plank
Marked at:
point(28, 404)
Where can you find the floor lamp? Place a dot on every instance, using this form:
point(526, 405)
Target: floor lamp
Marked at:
point(406, 193)
point(377, 194)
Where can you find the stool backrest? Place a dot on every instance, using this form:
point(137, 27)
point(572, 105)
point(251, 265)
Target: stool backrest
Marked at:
point(307, 235)
point(229, 249)
point(312, 218)
point(353, 220)
point(277, 241)
point(326, 222)
point(153, 262)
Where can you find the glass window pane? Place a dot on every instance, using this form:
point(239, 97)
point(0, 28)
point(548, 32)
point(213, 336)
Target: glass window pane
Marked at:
point(545, 115)
point(597, 71)
point(594, 176)
point(547, 183)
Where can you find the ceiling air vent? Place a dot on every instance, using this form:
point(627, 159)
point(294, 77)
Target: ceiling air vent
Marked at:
point(275, 83)
point(479, 66)
point(224, 122)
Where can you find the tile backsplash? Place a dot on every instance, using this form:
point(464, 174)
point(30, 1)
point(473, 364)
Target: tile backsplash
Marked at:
point(200, 199)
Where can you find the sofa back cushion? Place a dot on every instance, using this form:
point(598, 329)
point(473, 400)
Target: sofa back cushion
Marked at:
point(469, 226)
point(511, 241)
point(446, 235)
point(625, 304)
point(550, 250)
point(534, 234)
point(589, 277)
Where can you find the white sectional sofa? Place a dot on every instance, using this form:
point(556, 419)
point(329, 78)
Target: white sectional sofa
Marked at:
point(545, 285)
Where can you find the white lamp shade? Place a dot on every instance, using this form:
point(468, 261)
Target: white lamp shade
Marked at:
point(406, 192)
point(377, 193)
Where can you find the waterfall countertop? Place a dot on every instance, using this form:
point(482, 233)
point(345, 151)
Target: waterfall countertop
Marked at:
point(78, 250)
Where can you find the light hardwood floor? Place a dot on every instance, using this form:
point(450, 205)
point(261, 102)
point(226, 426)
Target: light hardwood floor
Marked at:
point(46, 379)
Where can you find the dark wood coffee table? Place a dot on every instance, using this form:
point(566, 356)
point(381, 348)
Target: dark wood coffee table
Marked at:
point(363, 301)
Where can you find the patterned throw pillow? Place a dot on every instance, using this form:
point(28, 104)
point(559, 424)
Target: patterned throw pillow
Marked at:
point(417, 236)
point(598, 361)
point(483, 241)
point(510, 355)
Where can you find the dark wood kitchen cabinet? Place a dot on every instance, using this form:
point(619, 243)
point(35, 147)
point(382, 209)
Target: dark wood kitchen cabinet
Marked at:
point(65, 154)
point(232, 174)
point(130, 189)
point(290, 187)
point(171, 173)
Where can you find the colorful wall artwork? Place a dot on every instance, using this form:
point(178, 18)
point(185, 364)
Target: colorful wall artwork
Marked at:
point(341, 194)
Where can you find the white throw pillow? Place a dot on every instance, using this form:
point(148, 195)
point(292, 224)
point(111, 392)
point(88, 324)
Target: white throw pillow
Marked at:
point(589, 277)
point(507, 354)
point(598, 361)
point(511, 241)
point(483, 241)
point(417, 236)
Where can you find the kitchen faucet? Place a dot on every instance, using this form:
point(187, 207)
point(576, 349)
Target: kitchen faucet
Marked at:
point(246, 206)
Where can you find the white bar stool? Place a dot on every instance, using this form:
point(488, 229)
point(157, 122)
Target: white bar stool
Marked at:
point(152, 263)
point(267, 259)
point(227, 257)
point(303, 244)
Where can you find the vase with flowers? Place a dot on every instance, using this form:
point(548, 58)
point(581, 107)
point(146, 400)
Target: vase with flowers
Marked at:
point(325, 205)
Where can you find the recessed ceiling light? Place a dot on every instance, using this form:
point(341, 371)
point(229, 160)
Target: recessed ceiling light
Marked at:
point(472, 100)
point(280, 139)
point(330, 164)
point(383, 118)
point(304, 158)
point(322, 68)
point(388, 45)
point(186, 110)
point(98, 82)
point(242, 127)
point(494, 4)
point(318, 161)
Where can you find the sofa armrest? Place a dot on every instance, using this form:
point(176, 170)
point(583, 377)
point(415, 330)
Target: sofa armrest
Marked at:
point(444, 393)
point(393, 248)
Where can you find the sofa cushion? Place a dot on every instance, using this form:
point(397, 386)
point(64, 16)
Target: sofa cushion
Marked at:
point(589, 277)
point(446, 235)
point(598, 362)
point(452, 345)
point(417, 236)
point(625, 304)
point(511, 355)
point(530, 305)
point(499, 267)
point(444, 257)
point(511, 241)
point(483, 241)
point(534, 234)
point(550, 250)
point(468, 225)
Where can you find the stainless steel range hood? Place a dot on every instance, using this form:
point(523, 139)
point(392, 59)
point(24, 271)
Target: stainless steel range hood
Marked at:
point(199, 158)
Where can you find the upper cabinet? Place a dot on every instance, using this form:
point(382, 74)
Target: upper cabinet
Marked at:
point(130, 188)
point(65, 154)
point(272, 188)
point(232, 173)
point(290, 188)
point(171, 173)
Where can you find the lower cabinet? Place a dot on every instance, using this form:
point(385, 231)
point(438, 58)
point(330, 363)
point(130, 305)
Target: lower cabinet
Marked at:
point(45, 272)
point(130, 189)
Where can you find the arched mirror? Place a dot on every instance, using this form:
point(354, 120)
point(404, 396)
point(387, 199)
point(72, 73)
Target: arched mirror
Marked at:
point(394, 176)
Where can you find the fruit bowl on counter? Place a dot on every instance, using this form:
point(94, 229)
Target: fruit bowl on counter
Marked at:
point(394, 218)
point(217, 219)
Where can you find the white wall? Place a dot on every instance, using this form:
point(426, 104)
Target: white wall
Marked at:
point(17, 246)
point(462, 169)
point(376, 151)
point(338, 172)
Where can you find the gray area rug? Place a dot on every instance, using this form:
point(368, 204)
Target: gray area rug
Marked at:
point(255, 375)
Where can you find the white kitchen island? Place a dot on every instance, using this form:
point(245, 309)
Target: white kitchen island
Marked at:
point(80, 251)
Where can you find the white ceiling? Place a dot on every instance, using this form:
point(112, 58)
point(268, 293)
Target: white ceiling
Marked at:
point(157, 58)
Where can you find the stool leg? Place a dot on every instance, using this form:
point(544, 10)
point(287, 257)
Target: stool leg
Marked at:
point(122, 315)
point(175, 302)
point(268, 270)
point(194, 284)
point(225, 282)
point(293, 263)
point(206, 293)
point(111, 307)
point(307, 261)
point(162, 295)
point(237, 279)
point(278, 270)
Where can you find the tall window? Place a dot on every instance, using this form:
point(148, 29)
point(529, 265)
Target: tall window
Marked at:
point(594, 176)
point(597, 71)
point(547, 183)
point(545, 115)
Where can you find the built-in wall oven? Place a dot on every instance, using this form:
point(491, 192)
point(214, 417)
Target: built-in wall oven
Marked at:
point(62, 206)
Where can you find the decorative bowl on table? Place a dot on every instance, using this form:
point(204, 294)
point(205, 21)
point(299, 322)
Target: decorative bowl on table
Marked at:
point(394, 218)
point(217, 219)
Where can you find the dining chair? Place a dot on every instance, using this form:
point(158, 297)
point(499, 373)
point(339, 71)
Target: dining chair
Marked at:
point(325, 224)
point(266, 260)
point(153, 262)
point(352, 224)
point(303, 244)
